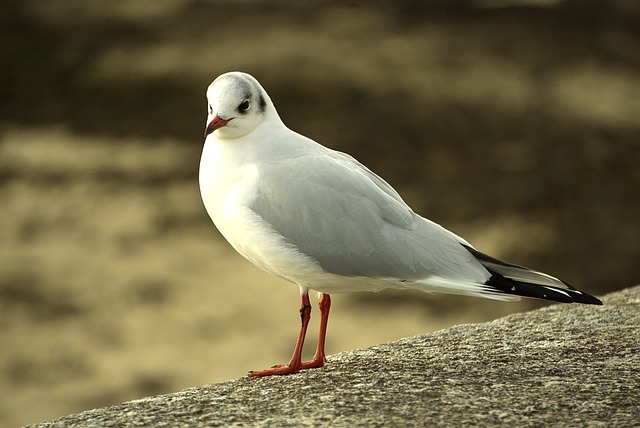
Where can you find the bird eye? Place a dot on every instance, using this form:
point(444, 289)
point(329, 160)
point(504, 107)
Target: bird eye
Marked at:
point(210, 110)
point(244, 106)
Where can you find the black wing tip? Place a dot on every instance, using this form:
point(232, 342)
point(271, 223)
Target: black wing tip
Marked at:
point(502, 284)
point(588, 299)
point(505, 285)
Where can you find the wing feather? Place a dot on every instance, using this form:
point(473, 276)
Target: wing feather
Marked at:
point(353, 223)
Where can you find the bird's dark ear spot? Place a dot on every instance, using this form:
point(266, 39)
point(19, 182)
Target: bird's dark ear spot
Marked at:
point(262, 104)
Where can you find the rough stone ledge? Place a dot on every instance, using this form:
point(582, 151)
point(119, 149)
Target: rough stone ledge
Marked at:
point(564, 365)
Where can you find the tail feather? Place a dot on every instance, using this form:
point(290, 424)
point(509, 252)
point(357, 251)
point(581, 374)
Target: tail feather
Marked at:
point(517, 280)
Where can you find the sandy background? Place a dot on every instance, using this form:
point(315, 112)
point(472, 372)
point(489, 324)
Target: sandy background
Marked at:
point(515, 124)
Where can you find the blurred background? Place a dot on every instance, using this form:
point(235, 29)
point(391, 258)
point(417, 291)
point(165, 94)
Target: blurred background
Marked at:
point(514, 123)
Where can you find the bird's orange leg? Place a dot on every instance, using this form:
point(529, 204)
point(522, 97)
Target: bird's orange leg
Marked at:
point(295, 364)
point(319, 358)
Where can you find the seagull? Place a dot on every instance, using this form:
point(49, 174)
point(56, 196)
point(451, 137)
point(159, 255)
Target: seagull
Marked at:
point(320, 219)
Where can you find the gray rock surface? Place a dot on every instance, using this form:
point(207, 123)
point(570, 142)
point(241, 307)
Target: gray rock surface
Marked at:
point(564, 365)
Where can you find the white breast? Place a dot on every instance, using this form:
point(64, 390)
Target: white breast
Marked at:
point(228, 185)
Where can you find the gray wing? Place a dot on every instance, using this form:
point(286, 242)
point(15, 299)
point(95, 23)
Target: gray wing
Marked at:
point(353, 223)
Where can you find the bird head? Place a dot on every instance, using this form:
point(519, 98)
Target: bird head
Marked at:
point(237, 105)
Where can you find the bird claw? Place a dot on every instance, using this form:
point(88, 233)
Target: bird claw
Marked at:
point(281, 370)
point(286, 369)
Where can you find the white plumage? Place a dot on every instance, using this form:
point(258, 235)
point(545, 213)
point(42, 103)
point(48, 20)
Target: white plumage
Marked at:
point(322, 220)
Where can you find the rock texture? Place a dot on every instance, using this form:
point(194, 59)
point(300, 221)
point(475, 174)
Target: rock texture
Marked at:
point(564, 365)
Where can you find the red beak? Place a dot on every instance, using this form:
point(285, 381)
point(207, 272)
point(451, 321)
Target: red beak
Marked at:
point(216, 123)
